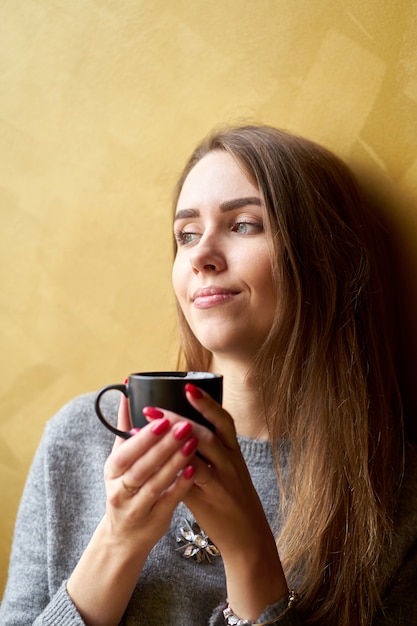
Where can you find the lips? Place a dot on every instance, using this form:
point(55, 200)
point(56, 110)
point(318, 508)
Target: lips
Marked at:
point(206, 297)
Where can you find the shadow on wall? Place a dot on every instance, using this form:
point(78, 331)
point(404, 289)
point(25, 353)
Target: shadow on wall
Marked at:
point(404, 260)
point(400, 250)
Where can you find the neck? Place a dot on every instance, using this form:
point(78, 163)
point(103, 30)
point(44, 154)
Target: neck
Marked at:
point(241, 397)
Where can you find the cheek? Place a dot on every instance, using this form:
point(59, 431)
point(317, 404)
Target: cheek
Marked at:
point(260, 268)
point(177, 279)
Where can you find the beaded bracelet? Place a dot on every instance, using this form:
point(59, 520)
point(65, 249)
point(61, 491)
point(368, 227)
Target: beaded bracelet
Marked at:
point(232, 619)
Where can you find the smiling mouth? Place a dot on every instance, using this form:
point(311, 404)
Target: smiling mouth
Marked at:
point(212, 296)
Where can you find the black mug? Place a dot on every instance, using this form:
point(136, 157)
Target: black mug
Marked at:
point(165, 390)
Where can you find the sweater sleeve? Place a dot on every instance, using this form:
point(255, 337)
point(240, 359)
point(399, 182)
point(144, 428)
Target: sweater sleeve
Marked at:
point(28, 598)
point(60, 610)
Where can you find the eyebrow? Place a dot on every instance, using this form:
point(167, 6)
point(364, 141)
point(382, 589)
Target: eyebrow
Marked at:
point(228, 205)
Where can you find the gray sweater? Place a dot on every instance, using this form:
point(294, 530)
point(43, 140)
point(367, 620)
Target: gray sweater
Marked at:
point(64, 499)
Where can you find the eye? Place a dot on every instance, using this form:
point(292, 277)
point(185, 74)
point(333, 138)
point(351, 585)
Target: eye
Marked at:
point(184, 237)
point(246, 227)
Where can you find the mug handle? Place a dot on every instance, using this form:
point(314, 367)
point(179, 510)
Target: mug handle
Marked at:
point(123, 388)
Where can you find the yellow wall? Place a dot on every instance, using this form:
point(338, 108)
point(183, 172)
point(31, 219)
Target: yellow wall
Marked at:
point(100, 102)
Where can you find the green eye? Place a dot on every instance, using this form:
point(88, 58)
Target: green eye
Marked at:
point(247, 228)
point(184, 237)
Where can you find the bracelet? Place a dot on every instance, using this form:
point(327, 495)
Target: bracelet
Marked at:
point(232, 619)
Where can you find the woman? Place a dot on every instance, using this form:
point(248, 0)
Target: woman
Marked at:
point(309, 485)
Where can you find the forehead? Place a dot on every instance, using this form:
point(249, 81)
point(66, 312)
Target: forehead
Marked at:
point(218, 176)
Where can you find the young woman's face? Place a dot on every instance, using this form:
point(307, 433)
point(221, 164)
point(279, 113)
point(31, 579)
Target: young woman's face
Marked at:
point(222, 271)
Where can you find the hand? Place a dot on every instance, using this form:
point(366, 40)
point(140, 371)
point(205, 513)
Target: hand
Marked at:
point(227, 506)
point(147, 476)
point(223, 498)
point(156, 462)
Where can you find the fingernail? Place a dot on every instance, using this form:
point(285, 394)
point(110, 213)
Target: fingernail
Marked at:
point(134, 431)
point(182, 429)
point(159, 428)
point(194, 391)
point(126, 381)
point(189, 472)
point(152, 413)
point(189, 446)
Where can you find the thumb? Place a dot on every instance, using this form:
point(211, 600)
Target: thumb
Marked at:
point(123, 416)
point(123, 419)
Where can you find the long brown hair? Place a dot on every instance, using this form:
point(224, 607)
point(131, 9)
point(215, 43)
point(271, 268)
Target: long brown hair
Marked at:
point(326, 371)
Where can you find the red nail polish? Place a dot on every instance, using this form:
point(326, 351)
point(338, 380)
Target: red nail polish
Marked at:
point(152, 413)
point(194, 391)
point(189, 472)
point(182, 429)
point(126, 381)
point(159, 428)
point(189, 446)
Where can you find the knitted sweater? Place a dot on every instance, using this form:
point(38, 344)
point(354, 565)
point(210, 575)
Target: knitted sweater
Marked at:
point(64, 499)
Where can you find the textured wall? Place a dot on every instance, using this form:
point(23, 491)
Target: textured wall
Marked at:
point(100, 102)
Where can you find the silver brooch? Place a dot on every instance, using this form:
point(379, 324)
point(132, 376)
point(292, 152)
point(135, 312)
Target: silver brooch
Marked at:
point(195, 543)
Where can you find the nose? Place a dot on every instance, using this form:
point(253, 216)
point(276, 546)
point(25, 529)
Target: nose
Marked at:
point(207, 255)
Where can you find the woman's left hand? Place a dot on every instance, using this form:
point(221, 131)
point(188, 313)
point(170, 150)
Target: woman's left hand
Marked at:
point(223, 499)
point(227, 507)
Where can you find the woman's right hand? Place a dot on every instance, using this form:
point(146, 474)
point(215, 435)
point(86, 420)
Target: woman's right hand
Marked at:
point(156, 462)
point(147, 476)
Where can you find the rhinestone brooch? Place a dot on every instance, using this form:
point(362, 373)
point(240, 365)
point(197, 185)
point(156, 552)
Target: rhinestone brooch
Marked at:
point(194, 543)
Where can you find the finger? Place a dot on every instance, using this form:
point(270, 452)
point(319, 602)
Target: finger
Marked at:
point(131, 490)
point(166, 459)
point(214, 413)
point(212, 446)
point(178, 490)
point(127, 451)
point(176, 469)
point(123, 420)
point(203, 473)
point(206, 436)
point(142, 455)
point(179, 466)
